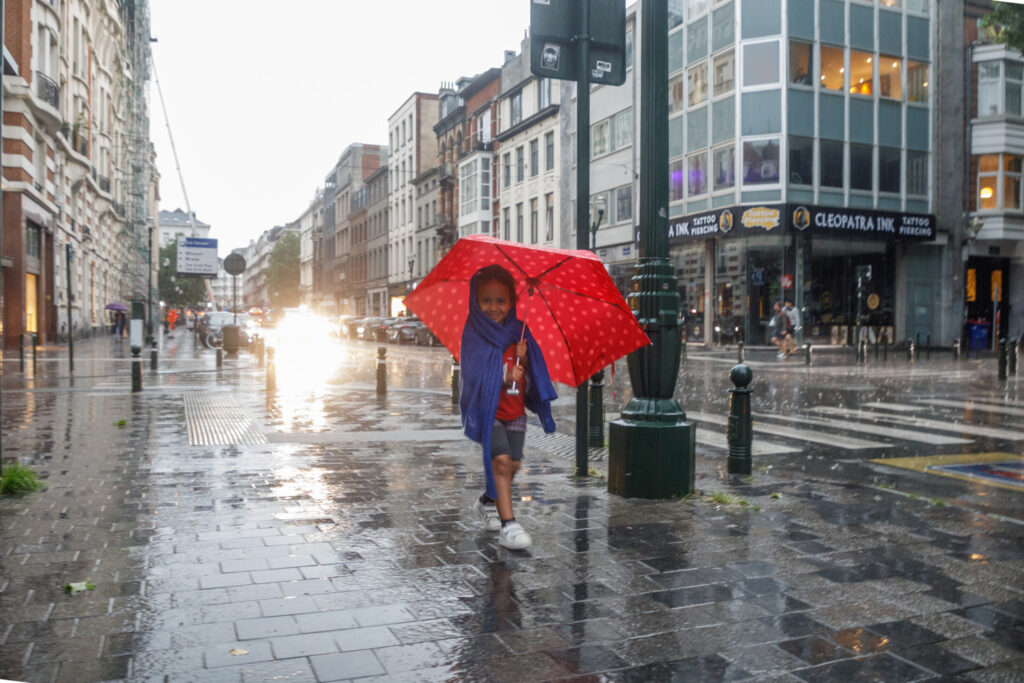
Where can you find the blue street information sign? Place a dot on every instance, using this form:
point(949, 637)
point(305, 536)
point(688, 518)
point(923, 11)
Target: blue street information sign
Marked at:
point(197, 257)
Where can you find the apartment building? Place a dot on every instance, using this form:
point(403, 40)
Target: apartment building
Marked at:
point(75, 198)
point(412, 150)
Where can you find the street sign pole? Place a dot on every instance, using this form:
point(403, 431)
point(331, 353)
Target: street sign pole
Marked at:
point(71, 331)
point(651, 448)
point(582, 203)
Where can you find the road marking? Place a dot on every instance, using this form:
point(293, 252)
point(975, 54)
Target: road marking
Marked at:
point(995, 469)
point(898, 407)
point(938, 425)
point(974, 405)
point(339, 436)
point(706, 437)
point(845, 442)
point(905, 434)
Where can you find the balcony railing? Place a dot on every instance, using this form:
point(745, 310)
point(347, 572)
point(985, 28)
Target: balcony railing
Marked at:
point(80, 143)
point(483, 145)
point(446, 171)
point(47, 89)
point(104, 183)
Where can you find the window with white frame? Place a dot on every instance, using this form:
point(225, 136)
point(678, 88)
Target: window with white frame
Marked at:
point(917, 81)
point(761, 162)
point(520, 163)
point(534, 157)
point(543, 93)
point(724, 73)
point(675, 94)
point(833, 68)
point(622, 129)
point(549, 217)
point(612, 134)
point(724, 169)
point(467, 188)
point(761, 63)
point(549, 151)
point(999, 182)
point(515, 104)
point(623, 204)
point(696, 174)
point(862, 71)
point(697, 84)
point(599, 143)
point(917, 173)
point(890, 77)
point(801, 62)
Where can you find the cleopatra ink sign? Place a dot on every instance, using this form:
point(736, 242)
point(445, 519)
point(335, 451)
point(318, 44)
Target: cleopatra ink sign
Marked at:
point(891, 225)
point(788, 219)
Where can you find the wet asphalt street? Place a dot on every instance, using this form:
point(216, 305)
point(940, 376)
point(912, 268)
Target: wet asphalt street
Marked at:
point(317, 532)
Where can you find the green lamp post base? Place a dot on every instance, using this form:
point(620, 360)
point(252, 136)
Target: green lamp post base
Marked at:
point(651, 459)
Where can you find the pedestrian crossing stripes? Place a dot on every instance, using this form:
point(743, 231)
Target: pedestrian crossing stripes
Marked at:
point(834, 440)
point(892, 432)
point(974, 405)
point(217, 419)
point(913, 421)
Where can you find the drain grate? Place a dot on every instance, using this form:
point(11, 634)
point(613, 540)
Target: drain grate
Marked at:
point(217, 420)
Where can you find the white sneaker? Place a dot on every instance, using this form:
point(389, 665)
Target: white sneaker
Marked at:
point(514, 537)
point(781, 355)
point(488, 515)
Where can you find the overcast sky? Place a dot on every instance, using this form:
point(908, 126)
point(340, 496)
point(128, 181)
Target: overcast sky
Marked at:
point(263, 96)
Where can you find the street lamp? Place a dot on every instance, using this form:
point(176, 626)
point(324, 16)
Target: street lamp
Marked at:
point(412, 263)
point(599, 205)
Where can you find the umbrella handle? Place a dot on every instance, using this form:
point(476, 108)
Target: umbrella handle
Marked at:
point(514, 389)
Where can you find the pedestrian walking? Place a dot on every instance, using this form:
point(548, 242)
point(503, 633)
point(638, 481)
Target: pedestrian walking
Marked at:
point(780, 329)
point(503, 374)
point(118, 325)
point(172, 317)
point(793, 321)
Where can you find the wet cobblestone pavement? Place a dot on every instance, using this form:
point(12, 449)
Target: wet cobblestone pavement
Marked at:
point(345, 547)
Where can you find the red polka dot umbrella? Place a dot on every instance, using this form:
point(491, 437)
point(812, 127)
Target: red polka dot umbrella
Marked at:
point(567, 298)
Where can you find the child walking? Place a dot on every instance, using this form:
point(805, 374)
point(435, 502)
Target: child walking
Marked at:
point(503, 374)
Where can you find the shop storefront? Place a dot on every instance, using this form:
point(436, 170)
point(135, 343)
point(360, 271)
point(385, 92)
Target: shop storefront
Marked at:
point(837, 265)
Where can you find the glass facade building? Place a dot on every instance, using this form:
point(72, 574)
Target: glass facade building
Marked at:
point(800, 150)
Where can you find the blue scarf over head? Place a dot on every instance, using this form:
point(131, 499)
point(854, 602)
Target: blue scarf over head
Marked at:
point(483, 347)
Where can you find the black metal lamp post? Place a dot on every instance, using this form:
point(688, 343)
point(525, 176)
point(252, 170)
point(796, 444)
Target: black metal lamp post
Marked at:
point(651, 450)
point(595, 429)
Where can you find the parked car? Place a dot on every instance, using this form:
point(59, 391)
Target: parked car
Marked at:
point(349, 327)
point(403, 330)
point(366, 329)
point(378, 329)
point(424, 337)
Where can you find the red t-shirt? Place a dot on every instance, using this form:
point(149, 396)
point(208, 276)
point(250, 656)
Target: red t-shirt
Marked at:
point(510, 407)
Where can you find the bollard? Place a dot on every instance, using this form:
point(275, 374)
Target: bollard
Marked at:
point(382, 369)
point(152, 359)
point(1011, 353)
point(596, 411)
point(807, 353)
point(928, 347)
point(271, 371)
point(21, 352)
point(956, 349)
point(456, 381)
point(136, 375)
point(684, 351)
point(739, 351)
point(910, 350)
point(885, 349)
point(35, 343)
point(741, 424)
point(878, 340)
point(863, 351)
point(1002, 359)
point(220, 357)
point(259, 352)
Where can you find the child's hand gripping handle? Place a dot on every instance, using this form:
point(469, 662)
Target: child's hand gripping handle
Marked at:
point(516, 370)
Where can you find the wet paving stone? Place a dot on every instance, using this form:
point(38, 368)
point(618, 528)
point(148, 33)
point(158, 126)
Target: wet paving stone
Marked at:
point(333, 560)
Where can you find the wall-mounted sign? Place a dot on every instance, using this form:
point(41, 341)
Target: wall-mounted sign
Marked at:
point(761, 219)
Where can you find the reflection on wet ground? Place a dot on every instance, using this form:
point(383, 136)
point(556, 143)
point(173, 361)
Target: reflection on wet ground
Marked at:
point(350, 557)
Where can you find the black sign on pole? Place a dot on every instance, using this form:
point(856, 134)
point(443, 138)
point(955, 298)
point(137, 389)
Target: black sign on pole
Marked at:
point(234, 265)
point(555, 26)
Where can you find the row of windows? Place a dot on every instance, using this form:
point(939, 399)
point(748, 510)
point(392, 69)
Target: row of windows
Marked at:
point(475, 186)
point(761, 67)
point(617, 203)
point(535, 227)
point(520, 160)
point(760, 165)
point(686, 10)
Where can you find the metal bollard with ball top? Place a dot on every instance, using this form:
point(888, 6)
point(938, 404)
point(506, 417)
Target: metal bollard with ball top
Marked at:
point(741, 422)
point(382, 371)
point(1002, 359)
point(1011, 352)
point(456, 382)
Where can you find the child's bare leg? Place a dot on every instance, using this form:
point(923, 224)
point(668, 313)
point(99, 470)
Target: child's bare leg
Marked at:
point(504, 469)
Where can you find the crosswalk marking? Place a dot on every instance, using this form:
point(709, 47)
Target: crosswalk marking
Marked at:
point(905, 434)
point(974, 405)
point(898, 407)
point(706, 437)
point(938, 425)
point(845, 442)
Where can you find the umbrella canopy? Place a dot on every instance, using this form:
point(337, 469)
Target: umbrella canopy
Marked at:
point(116, 306)
point(566, 297)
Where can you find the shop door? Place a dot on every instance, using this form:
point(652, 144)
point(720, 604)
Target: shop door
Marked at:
point(31, 304)
point(920, 312)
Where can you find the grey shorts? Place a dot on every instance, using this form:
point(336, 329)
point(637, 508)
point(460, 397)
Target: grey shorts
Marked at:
point(507, 442)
